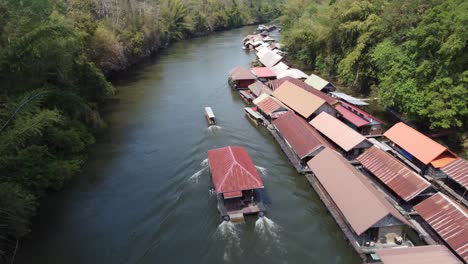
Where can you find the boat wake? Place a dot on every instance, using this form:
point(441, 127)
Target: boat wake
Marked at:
point(214, 128)
point(261, 169)
point(204, 163)
point(269, 232)
point(228, 232)
point(196, 176)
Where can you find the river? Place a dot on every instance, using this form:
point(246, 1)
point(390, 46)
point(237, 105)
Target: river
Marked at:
point(144, 194)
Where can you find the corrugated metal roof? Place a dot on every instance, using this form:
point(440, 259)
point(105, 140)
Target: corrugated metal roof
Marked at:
point(293, 73)
point(263, 72)
point(299, 100)
point(338, 132)
point(262, 51)
point(417, 144)
point(458, 171)
point(362, 113)
point(233, 170)
point(448, 219)
point(349, 98)
point(433, 254)
point(279, 68)
point(270, 59)
point(259, 88)
point(352, 117)
point(271, 105)
point(403, 181)
point(316, 82)
point(274, 84)
point(241, 73)
point(260, 98)
point(302, 137)
point(361, 204)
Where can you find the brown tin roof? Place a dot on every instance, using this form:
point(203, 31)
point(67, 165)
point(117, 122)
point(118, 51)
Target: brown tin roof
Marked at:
point(241, 73)
point(299, 100)
point(448, 219)
point(358, 200)
point(258, 88)
point(339, 132)
point(458, 171)
point(302, 137)
point(433, 254)
point(400, 179)
point(419, 145)
point(274, 84)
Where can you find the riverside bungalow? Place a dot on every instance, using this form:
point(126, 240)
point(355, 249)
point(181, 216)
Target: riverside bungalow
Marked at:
point(432, 254)
point(258, 88)
point(456, 176)
point(419, 149)
point(320, 84)
point(449, 220)
point(293, 73)
point(236, 182)
point(304, 141)
point(263, 74)
point(302, 102)
point(402, 181)
point(270, 59)
point(240, 78)
point(359, 120)
point(367, 218)
point(350, 142)
point(270, 107)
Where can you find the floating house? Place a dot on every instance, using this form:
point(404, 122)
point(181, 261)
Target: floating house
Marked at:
point(251, 112)
point(398, 178)
point(247, 96)
point(359, 120)
point(302, 102)
point(456, 176)
point(270, 107)
point(422, 151)
point(258, 88)
point(449, 220)
point(432, 254)
point(270, 59)
point(279, 68)
point(236, 182)
point(300, 137)
point(263, 74)
point(349, 141)
point(367, 218)
point(320, 84)
point(240, 78)
point(262, 51)
point(348, 98)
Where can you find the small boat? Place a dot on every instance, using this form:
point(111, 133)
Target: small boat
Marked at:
point(210, 116)
point(237, 183)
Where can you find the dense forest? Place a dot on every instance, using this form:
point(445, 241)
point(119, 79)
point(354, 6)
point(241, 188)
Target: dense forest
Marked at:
point(55, 58)
point(412, 54)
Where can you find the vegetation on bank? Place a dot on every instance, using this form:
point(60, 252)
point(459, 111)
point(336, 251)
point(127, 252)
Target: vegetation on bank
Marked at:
point(54, 59)
point(412, 54)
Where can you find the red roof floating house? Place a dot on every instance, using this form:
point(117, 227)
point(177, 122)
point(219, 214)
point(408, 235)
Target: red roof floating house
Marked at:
point(270, 107)
point(449, 220)
point(240, 78)
point(419, 148)
point(235, 178)
point(263, 73)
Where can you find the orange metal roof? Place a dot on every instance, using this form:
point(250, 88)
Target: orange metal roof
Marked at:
point(338, 132)
point(458, 171)
point(448, 219)
point(299, 100)
point(419, 145)
point(358, 200)
point(433, 254)
point(403, 181)
point(269, 105)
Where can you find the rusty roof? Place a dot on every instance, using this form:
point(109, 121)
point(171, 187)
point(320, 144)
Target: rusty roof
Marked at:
point(458, 171)
point(274, 84)
point(271, 105)
point(299, 100)
point(400, 179)
point(301, 136)
point(233, 170)
point(432, 254)
point(358, 200)
point(448, 219)
point(339, 132)
point(241, 73)
point(419, 145)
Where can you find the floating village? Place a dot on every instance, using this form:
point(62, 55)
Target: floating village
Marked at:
point(397, 195)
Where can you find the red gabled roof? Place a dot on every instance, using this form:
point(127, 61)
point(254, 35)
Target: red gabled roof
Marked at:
point(263, 72)
point(270, 105)
point(233, 170)
point(274, 84)
point(448, 219)
point(351, 117)
point(302, 137)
